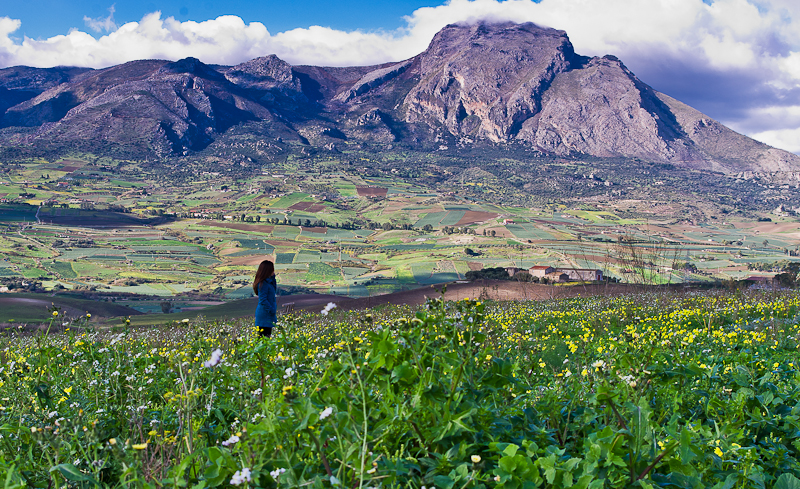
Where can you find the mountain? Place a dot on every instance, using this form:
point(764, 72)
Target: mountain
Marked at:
point(485, 84)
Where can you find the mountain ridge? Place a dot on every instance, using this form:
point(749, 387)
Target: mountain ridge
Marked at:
point(483, 83)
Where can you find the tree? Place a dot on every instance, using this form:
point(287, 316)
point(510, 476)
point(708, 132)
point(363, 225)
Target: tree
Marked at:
point(166, 307)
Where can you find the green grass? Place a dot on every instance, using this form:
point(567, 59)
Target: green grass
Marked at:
point(683, 386)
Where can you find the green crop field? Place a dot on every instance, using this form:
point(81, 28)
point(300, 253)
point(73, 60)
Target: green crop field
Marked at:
point(134, 234)
point(528, 231)
point(307, 256)
point(431, 218)
point(289, 200)
point(322, 272)
point(452, 218)
point(16, 213)
point(64, 269)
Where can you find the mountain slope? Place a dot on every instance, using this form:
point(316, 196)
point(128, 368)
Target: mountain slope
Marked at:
point(479, 84)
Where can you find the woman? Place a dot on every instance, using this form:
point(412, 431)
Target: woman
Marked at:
point(266, 288)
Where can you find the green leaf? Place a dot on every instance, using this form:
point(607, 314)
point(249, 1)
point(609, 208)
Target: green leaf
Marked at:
point(403, 372)
point(444, 482)
point(741, 376)
point(686, 446)
point(511, 450)
point(728, 483)
point(597, 484)
point(509, 464)
point(72, 473)
point(584, 481)
point(787, 481)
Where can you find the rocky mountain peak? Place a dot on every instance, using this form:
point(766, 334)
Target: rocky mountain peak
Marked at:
point(263, 72)
point(190, 66)
point(483, 83)
point(486, 79)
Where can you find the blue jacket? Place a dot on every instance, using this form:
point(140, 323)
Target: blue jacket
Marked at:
point(267, 309)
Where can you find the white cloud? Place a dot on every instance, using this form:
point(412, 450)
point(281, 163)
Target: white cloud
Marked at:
point(102, 23)
point(788, 139)
point(675, 45)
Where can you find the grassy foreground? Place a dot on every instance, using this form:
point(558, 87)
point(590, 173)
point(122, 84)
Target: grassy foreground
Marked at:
point(633, 391)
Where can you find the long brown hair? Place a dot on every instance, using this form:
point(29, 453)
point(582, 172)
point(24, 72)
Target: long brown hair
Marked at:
point(265, 270)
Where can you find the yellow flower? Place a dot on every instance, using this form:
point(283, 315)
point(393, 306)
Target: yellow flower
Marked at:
point(139, 446)
point(112, 441)
point(718, 452)
point(488, 357)
point(55, 313)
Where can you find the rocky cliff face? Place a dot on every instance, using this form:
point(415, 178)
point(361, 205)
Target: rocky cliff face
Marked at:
point(486, 81)
point(475, 84)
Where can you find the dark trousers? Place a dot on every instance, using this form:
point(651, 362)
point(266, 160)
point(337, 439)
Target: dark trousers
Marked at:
point(265, 332)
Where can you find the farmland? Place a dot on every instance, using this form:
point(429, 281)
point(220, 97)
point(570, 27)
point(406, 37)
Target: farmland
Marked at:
point(648, 390)
point(115, 230)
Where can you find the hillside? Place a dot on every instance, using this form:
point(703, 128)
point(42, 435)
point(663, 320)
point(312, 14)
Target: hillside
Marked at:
point(482, 85)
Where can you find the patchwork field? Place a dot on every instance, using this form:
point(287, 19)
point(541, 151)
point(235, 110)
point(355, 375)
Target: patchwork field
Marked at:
point(119, 233)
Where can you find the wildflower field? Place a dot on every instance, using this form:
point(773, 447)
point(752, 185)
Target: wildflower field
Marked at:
point(653, 390)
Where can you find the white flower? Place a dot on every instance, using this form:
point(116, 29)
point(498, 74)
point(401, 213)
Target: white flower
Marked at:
point(241, 476)
point(216, 356)
point(289, 372)
point(277, 473)
point(328, 308)
point(230, 441)
point(599, 364)
point(325, 413)
point(475, 458)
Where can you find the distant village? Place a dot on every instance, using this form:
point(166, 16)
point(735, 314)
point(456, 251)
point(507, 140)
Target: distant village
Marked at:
point(555, 275)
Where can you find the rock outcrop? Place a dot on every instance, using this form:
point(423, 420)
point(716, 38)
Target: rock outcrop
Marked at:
point(485, 83)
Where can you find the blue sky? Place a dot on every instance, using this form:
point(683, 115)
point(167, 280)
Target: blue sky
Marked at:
point(738, 61)
point(47, 18)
